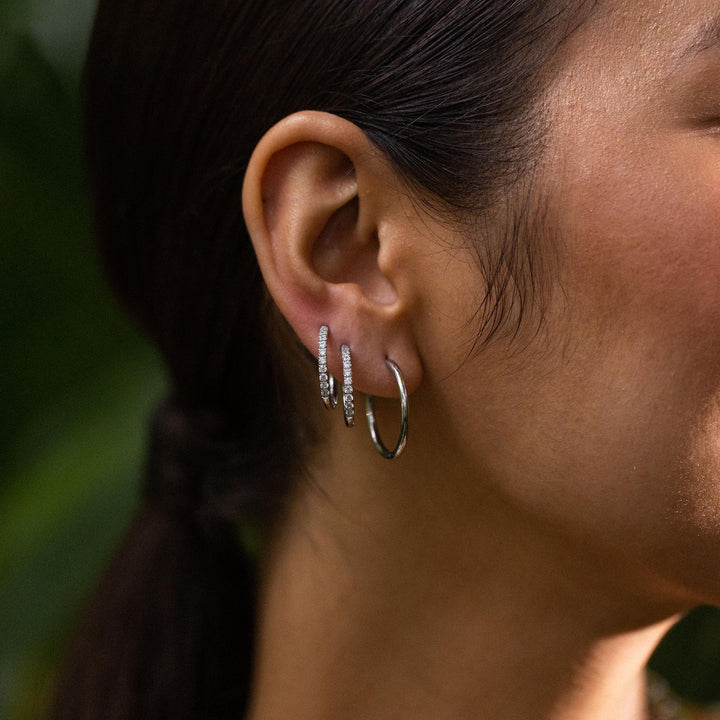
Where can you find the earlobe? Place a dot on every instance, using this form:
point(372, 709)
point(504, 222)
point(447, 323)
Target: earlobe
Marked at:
point(318, 207)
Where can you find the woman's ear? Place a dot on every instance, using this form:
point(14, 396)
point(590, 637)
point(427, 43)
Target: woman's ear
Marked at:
point(327, 215)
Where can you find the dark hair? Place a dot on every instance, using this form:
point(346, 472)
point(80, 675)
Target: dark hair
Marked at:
point(177, 96)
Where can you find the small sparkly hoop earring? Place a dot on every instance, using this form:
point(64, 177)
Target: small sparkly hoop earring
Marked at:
point(347, 387)
point(328, 388)
point(372, 424)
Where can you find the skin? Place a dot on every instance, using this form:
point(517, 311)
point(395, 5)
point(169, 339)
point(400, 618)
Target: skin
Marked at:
point(557, 507)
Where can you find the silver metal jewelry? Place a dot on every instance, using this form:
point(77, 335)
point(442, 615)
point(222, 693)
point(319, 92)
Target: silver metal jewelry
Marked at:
point(372, 424)
point(347, 387)
point(328, 388)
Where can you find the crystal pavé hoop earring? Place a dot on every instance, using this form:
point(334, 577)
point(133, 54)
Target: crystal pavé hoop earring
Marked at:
point(347, 387)
point(328, 389)
point(372, 424)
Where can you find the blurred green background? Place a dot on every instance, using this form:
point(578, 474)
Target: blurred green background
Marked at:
point(78, 383)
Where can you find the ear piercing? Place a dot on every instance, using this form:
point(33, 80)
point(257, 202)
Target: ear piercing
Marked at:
point(329, 396)
point(372, 425)
point(347, 388)
point(328, 390)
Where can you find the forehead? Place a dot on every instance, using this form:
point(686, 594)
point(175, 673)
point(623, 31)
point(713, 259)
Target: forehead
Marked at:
point(676, 28)
point(635, 50)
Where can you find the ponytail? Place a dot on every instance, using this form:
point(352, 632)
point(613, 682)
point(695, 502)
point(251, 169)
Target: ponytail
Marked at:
point(170, 631)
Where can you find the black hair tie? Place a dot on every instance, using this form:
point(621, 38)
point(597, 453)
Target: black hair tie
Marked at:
point(181, 452)
point(201, 471)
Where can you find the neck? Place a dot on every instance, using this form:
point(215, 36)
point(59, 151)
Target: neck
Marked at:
point(396, 604)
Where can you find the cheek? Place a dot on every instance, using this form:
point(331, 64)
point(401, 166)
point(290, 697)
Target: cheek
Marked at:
point(640, 226)
point(642, 239)
point(623, 412)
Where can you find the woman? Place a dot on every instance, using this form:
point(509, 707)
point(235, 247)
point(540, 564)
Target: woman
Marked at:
point(509, 212)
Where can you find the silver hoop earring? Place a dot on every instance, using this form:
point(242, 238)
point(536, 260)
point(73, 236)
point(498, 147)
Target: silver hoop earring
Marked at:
point(372, 424)
point(328, 388)
point(347, 388)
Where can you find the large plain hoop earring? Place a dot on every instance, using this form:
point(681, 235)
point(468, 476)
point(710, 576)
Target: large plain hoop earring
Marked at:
point(328, 388)
point(372, 424)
